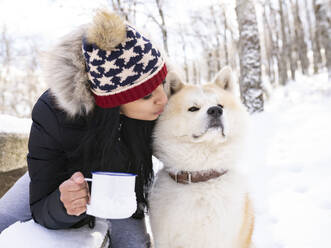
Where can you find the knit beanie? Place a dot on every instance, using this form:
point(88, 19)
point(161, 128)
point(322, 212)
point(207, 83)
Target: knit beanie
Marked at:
point(121, 64)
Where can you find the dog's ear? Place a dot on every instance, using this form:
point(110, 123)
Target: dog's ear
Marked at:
point(224, 79)
point(173, 83)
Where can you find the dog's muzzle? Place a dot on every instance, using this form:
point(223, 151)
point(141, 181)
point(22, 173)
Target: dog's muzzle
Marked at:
point(215, 113)
point(215, 120)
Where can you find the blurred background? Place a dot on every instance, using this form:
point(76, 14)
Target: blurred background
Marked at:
point(270, 40)
point(281, 56)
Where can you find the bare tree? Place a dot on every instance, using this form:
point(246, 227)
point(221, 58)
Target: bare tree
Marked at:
point(217, 56)
point(225, 39)
point(126, 8)
point(268, 43)
point(196, 73)
point(299, 37)
point(276, 34)
point(184, 46)
point(5, 47)
point(161, 24)
point(323, 23)
point(291, 47)
point(19, 85)
point(204, 40)
point(317, 58)
point(5, 64)
point(250, 57)
point(283, 77)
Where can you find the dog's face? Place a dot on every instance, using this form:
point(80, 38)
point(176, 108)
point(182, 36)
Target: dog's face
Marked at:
point(209, 113)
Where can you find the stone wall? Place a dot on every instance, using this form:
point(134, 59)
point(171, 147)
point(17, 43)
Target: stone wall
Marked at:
point(13, 151)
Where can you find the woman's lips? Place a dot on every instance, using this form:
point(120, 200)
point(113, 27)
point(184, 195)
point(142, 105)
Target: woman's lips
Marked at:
point(159, 112)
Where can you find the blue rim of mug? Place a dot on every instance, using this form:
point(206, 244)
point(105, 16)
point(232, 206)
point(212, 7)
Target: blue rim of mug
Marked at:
point(113, 173)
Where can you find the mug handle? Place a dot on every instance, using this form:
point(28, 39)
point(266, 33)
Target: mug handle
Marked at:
point(88, 180)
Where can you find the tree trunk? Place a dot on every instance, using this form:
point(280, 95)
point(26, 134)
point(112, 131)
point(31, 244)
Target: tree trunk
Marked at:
point(126, 9)
point(324, 29)
point(299, 38)
point(250, 57)
point(283, 61)
point(276, 52)
point(318, 61)
point(225, 38)
point(195, 74)
point(6, 53)
point(269, 47)
point(162, 25)
point(217, 56)
point(183, 41)
point(290, 47)
point(118, 8)
point(209, 66)
point(315, 51)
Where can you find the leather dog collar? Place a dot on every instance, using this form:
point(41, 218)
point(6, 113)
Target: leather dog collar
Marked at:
point(187, 177)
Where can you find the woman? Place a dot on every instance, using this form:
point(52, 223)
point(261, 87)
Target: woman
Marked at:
point(106, 91)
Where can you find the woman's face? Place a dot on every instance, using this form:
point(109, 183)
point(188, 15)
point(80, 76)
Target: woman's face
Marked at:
point(147, 108)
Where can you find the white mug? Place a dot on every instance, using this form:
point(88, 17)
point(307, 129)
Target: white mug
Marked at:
point(112, 195)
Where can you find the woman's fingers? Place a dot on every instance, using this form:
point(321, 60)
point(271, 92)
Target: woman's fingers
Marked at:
point(75, 183)
point(80, 202)
point(77, 211)
point(75, 194)
point(83, 193)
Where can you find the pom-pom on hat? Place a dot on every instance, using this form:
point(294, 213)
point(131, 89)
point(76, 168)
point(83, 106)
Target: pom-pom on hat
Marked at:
point(122, 65)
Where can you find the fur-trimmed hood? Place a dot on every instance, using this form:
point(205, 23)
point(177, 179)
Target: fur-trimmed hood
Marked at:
point(64, 67)
point(64, 71)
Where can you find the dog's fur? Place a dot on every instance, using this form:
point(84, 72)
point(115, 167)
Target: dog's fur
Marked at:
point(213, 214)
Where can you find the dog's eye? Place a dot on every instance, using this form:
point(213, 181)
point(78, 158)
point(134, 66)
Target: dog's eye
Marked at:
point(220, 105)
point(193, 109)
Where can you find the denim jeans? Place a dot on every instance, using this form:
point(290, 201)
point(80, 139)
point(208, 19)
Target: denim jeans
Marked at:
point(14, 206)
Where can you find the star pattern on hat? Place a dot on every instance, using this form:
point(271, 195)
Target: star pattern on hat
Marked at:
point(127, 74)
point(129, 64)
point(126, 58)
point(104, 81)
point(108, 66)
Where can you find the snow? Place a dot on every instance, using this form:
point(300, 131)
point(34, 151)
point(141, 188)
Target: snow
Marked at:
point(288, 166)
point(11, 124)
point(38, 236)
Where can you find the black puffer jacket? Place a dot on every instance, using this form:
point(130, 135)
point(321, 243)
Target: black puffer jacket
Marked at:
point(53, 136)
point(58, 127)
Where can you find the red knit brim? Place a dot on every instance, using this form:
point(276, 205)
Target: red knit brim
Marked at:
point(132, 94)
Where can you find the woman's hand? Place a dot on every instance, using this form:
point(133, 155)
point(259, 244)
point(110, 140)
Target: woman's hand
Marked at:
point(75, 194)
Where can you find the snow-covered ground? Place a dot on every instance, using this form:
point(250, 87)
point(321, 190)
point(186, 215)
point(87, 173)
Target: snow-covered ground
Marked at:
point(287, 163)
point(289, 166)
point(11, 124)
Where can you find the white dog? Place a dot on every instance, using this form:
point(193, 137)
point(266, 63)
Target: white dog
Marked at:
point(199, 199)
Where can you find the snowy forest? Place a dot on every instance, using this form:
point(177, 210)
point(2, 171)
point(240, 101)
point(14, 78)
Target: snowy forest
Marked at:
point(267, 42)
point(281, 55)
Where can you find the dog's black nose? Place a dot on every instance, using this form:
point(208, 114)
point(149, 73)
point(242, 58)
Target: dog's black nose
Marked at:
point(215, 111)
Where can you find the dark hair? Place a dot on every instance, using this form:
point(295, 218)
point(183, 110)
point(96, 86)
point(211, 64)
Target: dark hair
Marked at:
point(100, 137)
point(114, 142)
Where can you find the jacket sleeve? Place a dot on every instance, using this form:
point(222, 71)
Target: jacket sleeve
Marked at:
point(47, 169)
